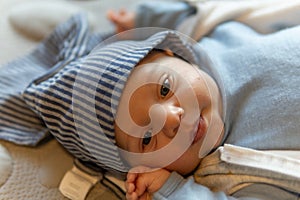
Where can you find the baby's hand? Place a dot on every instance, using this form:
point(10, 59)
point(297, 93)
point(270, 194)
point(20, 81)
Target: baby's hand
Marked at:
point(122, 19)
point(141, 184)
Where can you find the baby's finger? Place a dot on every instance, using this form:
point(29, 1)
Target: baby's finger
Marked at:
point(130, 187)
point(132, 196)
point(111, 15)
point(140, 187)
point(131, 177)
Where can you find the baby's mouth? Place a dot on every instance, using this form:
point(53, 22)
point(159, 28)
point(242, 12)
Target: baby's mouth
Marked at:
point(201, 130)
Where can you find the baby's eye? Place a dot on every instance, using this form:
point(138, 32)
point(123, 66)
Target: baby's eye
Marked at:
point(147, 137)
point(165, 88)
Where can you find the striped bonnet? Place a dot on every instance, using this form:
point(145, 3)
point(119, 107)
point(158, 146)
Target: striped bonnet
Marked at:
point(78, 101)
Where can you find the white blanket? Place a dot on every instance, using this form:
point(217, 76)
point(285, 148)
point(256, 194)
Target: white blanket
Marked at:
point(264, 16)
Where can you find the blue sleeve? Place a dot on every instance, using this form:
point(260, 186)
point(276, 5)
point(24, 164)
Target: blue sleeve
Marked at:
point(177, 188)
point(162, 14)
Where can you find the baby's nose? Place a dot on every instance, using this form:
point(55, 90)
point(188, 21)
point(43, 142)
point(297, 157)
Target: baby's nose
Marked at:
point(166, 118)
point(173, 119)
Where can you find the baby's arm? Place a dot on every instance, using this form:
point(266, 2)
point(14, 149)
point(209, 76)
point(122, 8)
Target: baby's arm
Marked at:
point(151, 14)
point(142, 185)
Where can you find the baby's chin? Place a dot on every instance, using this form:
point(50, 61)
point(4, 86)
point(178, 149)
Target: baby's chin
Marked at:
point(188, 162)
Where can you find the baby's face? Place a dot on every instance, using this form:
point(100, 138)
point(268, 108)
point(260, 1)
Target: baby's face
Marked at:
point(165, 112)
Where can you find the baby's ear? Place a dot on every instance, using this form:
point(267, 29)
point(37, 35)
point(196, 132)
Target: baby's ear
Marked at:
point(36, 20)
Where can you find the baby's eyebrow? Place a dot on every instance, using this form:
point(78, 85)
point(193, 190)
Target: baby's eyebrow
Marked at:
point(169, 52)
point(166, 51)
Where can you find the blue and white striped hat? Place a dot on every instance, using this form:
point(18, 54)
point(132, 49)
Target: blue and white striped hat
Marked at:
point(78, 101)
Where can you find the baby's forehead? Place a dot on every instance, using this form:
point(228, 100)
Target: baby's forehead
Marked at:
point(156, 54)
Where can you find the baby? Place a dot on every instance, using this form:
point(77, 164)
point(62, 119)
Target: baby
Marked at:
point(158, 96)
point(143, 93)
point(158, 106)
point(134, 103)
point(247, 99)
